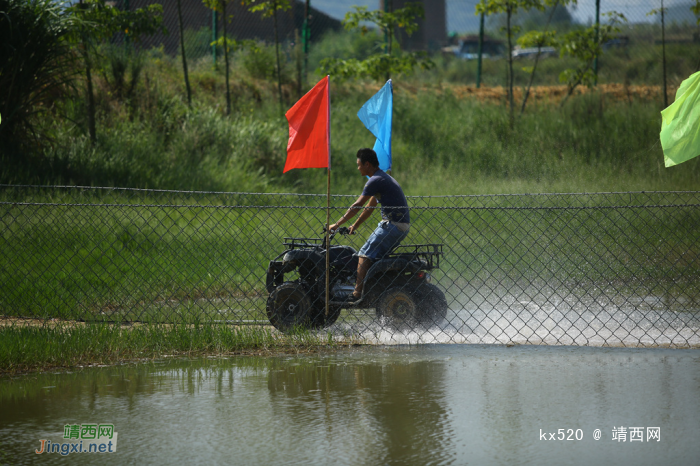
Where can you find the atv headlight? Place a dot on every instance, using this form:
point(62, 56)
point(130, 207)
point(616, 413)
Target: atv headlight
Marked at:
point(428, 278)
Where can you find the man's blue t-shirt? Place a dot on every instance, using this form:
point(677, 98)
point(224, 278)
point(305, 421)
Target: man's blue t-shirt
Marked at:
point(389, 194)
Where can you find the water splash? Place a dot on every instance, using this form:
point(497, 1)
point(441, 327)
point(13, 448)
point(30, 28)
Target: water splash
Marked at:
point(553, 319)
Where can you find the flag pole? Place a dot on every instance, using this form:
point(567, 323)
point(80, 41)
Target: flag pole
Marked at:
point(328, 241)
point(328, 203)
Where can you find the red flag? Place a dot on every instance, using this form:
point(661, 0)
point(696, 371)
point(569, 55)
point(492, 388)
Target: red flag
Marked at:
point(310, 129)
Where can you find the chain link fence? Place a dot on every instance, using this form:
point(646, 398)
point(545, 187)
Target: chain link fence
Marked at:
point(561, 269)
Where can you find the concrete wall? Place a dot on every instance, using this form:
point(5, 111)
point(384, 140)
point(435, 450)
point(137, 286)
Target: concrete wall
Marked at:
point(432, 31)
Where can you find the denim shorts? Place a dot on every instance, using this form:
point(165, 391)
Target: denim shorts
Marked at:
point(382, 241)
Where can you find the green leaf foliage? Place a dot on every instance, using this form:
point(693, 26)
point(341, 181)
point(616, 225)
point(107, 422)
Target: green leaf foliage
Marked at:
point(491, 7)
point(377, 66)
point(100, 21)
point(267, 7)
point(538, 39)
point(35, 64)
point(404, 18)
point(585, 45)
point(380, 65)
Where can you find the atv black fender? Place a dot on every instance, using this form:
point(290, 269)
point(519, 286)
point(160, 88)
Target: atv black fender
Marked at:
point(309, 261)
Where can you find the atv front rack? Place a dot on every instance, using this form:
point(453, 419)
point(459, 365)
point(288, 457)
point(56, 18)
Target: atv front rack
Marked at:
point(296, 243)
point(429, 253)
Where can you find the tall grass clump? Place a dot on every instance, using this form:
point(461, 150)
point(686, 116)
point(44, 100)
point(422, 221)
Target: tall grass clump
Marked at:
point(177, 149)
point(442, 144)
point(449, 145)
point(24, 348)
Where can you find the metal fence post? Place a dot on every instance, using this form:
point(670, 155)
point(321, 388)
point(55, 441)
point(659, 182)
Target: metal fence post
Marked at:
point(481, 51)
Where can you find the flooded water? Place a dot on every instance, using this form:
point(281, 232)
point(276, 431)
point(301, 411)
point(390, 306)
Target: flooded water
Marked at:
point(536, 317)
point(404, 405)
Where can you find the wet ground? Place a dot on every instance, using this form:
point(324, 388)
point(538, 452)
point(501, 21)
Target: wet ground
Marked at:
point(426, 404)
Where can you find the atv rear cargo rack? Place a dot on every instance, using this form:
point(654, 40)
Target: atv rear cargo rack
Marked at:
point(430, 253)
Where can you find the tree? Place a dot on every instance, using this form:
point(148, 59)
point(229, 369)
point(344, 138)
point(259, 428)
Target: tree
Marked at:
point(36, 62)
point(382, 65)
point(585, 45)
point(509, 8)
point(269, 9)
point(539, 39)
point(97, 22)
point(220, 7)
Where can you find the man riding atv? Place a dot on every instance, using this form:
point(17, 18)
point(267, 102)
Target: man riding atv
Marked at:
point(395, 223)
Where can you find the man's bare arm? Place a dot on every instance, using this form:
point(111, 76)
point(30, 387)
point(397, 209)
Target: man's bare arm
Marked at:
point(371, 202)
point(369, 208)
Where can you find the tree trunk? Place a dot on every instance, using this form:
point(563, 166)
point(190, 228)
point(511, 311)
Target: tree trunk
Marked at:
point(92, 130)
point(299, 59)
point(537, 59)
point(277, 55)
point(184, 58)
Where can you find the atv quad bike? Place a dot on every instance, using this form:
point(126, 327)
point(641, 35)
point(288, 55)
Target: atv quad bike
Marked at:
point(398, 286)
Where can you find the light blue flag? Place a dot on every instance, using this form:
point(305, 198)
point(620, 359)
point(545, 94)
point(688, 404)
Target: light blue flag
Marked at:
point(376, 116)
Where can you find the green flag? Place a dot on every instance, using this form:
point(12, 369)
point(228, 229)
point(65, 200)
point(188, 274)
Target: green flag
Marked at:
point(680, 128)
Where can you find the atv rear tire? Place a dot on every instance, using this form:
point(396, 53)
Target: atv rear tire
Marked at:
point(398, 306)
point(289, 306)
point(432, 305)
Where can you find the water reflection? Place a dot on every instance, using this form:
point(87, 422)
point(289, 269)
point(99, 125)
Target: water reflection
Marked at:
point(377, 408)
point(402, 405)
point(394, 409)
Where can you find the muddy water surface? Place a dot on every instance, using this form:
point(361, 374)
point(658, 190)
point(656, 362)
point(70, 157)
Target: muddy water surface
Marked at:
point(430, 404)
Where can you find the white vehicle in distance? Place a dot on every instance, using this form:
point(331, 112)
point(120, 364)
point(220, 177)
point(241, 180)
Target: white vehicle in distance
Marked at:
point(531, 52)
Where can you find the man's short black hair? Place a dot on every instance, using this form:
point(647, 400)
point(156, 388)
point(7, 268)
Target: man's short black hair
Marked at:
point(368, 155)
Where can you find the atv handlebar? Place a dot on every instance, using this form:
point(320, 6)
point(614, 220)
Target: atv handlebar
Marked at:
point(345, 231)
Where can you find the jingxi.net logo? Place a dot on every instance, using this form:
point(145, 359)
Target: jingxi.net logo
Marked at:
point(82, 438)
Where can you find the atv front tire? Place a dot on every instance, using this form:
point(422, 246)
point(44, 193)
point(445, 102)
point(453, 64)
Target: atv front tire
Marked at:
point(319, 319)
point(289, 306)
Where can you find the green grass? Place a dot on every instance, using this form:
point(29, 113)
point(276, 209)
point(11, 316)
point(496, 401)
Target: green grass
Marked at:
point(110, 261)
point(28, 348)
point(442, 145)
